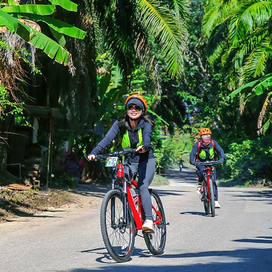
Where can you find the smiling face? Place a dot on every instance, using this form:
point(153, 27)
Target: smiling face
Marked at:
point(206, 139)
point(134, 112)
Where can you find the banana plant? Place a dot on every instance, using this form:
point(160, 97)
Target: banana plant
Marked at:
point(256, 88)
point(23, 20)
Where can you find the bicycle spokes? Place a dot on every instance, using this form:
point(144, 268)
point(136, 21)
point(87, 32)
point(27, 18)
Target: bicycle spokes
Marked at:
point(156, 240)
point(118, 232)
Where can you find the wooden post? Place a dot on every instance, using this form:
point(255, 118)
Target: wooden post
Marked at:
point(48, 174)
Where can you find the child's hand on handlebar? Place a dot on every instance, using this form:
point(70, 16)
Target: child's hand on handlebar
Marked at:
point(140, 149)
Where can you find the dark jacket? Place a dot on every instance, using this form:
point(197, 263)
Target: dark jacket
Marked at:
point(133, 136)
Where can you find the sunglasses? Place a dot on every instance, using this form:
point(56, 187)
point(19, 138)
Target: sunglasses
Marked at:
point(133, 107)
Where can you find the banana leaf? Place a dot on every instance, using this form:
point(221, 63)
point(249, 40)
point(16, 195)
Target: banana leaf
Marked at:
point(32, 9)
point(8, 21)
point(41, 41)
point(59, 37)
point(58, 25)
point(248, 85)
point(66, 4)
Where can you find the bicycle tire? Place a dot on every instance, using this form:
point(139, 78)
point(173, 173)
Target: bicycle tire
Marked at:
point(212, 204)
point(118, 237)
point(156, 241)
point(205, 200)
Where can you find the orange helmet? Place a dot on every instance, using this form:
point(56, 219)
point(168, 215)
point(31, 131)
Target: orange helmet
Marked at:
point(140, 97)
point(204, 131)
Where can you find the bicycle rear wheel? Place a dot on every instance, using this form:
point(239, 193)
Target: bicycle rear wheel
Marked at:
point(118, 236)
point(155, 241)
point(212, 205)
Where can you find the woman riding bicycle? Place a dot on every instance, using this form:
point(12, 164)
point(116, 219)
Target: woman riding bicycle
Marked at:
point(205, 150)
point(136, 130)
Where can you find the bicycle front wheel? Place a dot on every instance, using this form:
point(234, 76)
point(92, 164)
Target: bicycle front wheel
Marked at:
point(118, 235)
point(212, 205)
point(206, 199)
point(155, 241)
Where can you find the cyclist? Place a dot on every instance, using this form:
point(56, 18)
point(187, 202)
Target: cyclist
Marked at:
point(180, 163)
point(136, 130)
point(205, 150)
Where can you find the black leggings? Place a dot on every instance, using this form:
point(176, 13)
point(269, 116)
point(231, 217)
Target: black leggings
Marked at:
point(146, 171)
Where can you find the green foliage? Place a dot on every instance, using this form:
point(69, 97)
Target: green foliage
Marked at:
point(64, 181)
point(172, 148)
point(13, 18)
point(11, 108)
point(249, 160)
point(239, 45)
point(133, 29)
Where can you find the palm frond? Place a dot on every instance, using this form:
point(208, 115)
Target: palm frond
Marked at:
point(160, 23)
point(181, 8)
point(254, 15)
point(256, 64)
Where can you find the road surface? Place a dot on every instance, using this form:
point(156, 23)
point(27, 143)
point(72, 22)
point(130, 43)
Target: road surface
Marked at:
point(239, 238)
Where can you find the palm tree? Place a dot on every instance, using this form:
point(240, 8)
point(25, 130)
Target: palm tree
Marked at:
point(133, 28)
point(239, 37)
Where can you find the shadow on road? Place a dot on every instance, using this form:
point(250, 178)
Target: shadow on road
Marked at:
point(243, 260)
point(186, 175)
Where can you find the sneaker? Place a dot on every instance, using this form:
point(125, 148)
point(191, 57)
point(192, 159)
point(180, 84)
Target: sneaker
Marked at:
point(148, 225)
point(216, 204)
point(199, 189)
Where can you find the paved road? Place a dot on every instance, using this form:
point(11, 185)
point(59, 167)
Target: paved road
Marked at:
point(239, 238)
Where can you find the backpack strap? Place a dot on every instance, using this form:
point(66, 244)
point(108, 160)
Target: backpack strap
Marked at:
point(198, 150)
point(212, 141)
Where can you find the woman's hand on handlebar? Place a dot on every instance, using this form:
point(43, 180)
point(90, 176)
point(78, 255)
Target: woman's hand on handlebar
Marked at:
point(91, 157)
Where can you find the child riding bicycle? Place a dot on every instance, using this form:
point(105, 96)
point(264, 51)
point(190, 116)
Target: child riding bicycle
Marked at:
point(205, 150)
point(136, 130)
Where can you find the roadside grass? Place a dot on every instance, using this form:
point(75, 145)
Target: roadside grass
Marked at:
point(159, 180)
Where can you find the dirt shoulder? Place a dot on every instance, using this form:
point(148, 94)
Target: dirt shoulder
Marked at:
point(25, 203)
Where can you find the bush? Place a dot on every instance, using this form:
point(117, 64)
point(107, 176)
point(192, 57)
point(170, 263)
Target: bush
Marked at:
point(249, 160)
point(173, 147)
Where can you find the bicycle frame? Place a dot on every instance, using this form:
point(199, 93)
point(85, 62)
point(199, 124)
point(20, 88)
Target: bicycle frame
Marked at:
point(126, 195)
point(207, 178)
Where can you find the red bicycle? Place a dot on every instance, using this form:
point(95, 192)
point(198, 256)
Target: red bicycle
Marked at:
point(207, 186)
point(122, 215)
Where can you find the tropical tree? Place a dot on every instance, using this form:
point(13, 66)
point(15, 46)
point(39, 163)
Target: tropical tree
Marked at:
point(239, 40)
point(133, 28)
point(24, 27)
point(19, 23)
point(125, 36)
point(20, 19)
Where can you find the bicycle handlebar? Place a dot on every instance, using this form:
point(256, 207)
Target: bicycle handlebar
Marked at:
point(118, 154)
point(207, 163)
